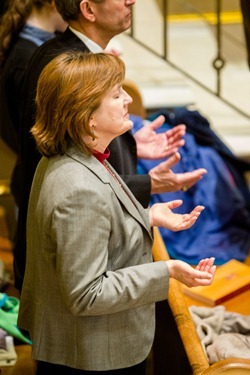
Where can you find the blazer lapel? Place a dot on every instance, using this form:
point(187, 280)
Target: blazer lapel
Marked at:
point(126, 197)
point(119, 187)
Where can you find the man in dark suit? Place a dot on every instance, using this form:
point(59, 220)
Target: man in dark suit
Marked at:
point(92, 23)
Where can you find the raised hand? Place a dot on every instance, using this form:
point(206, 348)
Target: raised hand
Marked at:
point(161, 215)
point(163, 179)
point(202, 275)
point(151, 145)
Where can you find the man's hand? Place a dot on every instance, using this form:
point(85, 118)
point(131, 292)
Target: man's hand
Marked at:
point(161, 215)
point(163, 179)
point(151, 145)
point(202, 275)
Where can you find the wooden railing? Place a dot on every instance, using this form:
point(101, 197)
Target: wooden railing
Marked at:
point(217, 62)
point(190, 339)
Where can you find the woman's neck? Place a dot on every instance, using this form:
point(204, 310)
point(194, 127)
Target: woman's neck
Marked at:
point(101, 156)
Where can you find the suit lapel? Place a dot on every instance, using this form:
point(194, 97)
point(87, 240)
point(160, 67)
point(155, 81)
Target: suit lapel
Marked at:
point(126, 197)
point(120, 189)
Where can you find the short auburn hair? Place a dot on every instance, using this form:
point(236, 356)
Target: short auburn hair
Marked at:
point(70, 89)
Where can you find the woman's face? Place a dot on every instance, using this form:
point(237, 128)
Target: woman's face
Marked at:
point(111, 119)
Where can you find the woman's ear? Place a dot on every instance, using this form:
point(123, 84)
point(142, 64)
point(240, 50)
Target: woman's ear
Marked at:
point(87, 10)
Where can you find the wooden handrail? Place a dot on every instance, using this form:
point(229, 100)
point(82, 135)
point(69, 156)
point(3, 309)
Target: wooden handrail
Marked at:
point(190, 339)
point(230, 366)
point(184, 322)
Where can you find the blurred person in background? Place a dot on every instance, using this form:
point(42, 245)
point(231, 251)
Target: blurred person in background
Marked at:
point(25, 25)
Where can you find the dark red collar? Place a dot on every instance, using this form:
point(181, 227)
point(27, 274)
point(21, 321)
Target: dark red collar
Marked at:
point(101, 156)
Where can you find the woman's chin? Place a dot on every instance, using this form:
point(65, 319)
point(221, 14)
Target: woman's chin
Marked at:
point(126, 126)
point(129, 124)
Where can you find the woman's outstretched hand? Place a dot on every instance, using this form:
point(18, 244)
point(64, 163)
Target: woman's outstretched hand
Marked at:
point(202, 275)
point(161, 215)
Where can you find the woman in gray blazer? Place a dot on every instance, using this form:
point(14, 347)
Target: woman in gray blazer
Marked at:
point(90, 285)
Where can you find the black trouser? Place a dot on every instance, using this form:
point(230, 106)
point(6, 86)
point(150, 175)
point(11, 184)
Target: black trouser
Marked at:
point(45, 368)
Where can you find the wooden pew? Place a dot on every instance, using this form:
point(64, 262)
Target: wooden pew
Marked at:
point(190, 339)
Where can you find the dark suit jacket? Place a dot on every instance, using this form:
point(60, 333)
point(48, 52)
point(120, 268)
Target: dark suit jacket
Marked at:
point(123, 149)
point(11, 88)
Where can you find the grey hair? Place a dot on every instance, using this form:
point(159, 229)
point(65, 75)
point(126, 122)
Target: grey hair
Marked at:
point(70, 9)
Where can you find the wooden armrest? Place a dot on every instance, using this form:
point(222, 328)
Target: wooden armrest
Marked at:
point(184, 322)
point(230, 366)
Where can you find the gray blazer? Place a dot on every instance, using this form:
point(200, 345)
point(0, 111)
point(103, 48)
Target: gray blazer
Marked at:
point(90, 283)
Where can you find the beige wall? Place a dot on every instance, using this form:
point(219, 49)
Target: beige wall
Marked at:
point(203, 6)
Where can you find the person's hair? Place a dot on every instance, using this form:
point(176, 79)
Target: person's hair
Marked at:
point(70, 89)
point(70, 9)
point(13, 21)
